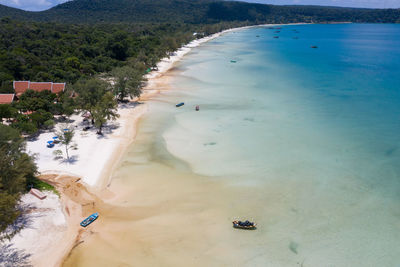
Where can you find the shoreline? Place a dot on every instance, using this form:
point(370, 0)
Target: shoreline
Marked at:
point(118, 143)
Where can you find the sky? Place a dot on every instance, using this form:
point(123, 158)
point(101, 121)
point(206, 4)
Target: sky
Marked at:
point(32, 5)
point(38, 5)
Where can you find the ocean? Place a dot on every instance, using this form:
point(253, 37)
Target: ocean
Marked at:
point(304, 141)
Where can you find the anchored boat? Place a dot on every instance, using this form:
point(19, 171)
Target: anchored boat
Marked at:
point(180, 104)
point(244, 225)
point(89, 219)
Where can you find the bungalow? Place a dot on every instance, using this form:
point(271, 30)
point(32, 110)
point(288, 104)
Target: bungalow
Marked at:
point(20, 87)
point(6, 98)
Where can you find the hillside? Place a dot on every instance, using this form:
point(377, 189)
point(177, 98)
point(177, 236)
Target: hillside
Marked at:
point(196, 11)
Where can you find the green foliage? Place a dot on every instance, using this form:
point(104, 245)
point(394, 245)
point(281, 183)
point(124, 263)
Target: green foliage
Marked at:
point(7, 111)
point(105, 110)
point(128, 82)
point(41, 118)
point(35, 101)
point(65, 136)
point(24, 125)
point(34, 182)
point(15, 167)
point(196, 11)
point(66, 53)
point(90, 93)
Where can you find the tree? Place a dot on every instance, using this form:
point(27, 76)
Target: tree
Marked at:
point(24, 125)
point(15, 167)
point(66, 104)
point(41, 118)
point(128, 82)
point(7, 112)
point(90, 93)
point(33, 101)
point(105, 110)
point(65, 136)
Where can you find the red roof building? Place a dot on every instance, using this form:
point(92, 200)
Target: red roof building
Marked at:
point(6, 98)
point(20, 87)
point(58, 88)
point(38, 87)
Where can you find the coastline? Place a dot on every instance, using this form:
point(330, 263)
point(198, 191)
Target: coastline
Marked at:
point(85, 179)
point(136, 227)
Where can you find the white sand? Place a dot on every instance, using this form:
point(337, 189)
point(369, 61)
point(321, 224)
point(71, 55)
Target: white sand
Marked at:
point(44, 224)
point(94, 152)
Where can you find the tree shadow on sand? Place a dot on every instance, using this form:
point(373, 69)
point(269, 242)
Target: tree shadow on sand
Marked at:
point(12, 257)
point(72, 159)
point(9, 255)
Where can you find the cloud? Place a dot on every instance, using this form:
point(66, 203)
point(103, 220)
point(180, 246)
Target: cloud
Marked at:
point(32, 5)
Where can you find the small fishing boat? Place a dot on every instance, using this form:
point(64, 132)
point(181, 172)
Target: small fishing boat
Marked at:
point(277, 31)
point(180, 104)
point(244, 225)
point(314, 46)
point(257, 35)
point(233, 61)
point(197, 108)
point(89, 219)
point(276, 37)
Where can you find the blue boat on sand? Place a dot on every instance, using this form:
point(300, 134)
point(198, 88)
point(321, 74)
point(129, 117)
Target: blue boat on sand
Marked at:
point(89, 219)
point(180, 104)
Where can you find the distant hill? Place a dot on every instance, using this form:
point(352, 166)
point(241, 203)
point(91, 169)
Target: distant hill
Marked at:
point(196, 11)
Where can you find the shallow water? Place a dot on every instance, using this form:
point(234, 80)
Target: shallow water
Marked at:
point(304, 141)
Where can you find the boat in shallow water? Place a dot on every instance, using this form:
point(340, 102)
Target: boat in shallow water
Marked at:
point(244, 225)
point(89, 219)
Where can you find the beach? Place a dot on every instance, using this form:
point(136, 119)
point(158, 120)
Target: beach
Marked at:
point(298, 156)
point(86, 176)
point(287, 136)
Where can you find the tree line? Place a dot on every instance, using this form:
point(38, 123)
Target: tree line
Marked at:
point(197, 11)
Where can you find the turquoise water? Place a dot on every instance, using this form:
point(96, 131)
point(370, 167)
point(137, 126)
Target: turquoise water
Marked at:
point(319, 129)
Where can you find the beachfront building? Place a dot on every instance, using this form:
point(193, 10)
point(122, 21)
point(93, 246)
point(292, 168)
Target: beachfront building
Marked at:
point(21, 87)
point(6, 98)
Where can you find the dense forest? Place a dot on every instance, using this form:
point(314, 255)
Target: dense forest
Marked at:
point(196, 11)
point(65, 53)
